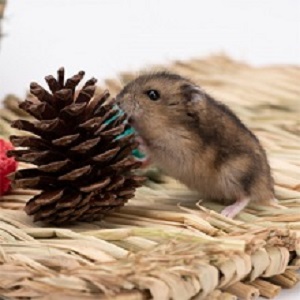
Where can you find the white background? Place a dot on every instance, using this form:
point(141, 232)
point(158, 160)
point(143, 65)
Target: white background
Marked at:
point(103, 37)
point(106, 36)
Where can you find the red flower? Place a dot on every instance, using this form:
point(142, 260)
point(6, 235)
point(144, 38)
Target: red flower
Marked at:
point(7, 166)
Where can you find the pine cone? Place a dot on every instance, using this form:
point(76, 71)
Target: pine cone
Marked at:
point(83, 168)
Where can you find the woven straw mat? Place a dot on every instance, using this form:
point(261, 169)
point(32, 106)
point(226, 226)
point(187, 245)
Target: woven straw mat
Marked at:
point(165, 244)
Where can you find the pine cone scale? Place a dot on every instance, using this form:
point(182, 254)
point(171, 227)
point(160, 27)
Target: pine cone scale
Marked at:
point(73, 110)
point(75, 174)
point(38, 110)
point(25, 141)
point(51, 197)
point(97, 103)
point(118, 182)
point(72, 82)
point(114, 131)
point(66, 140)
point(55, 125)
point(86, 145)
point(52, 83)
point(61, 77)
point(54, 166)
point(65, 97)
point(69, 201)
point(95, 186)
point(42, 94)
point(26, 156)
point(107, 155)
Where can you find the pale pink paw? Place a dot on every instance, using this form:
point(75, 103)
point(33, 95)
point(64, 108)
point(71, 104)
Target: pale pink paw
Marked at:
point(232, 210)
point(229, 212)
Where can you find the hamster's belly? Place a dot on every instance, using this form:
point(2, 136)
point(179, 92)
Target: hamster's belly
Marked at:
point(197, 175)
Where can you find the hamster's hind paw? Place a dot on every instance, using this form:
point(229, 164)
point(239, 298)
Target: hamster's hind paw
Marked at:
point(234, 209)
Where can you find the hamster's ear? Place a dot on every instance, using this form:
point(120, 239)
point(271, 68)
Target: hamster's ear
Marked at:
point(192, 93)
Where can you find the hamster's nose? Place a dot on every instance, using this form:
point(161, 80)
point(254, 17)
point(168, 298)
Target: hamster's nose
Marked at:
point(120, 98)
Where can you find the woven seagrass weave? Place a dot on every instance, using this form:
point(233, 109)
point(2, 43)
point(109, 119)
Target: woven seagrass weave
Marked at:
point(165, 244)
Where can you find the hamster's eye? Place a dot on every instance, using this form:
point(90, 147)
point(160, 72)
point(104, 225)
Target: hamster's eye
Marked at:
point(153, 95)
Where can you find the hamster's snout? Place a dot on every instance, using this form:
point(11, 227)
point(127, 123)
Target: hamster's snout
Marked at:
point(128, 102)
point(123, 103)
point(122, 98)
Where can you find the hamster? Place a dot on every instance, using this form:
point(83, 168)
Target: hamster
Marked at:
point(198, 140)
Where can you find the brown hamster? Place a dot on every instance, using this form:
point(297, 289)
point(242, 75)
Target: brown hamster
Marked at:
point(198, 140)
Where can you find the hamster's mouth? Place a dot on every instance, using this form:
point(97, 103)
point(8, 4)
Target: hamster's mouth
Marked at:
point(130, 120)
